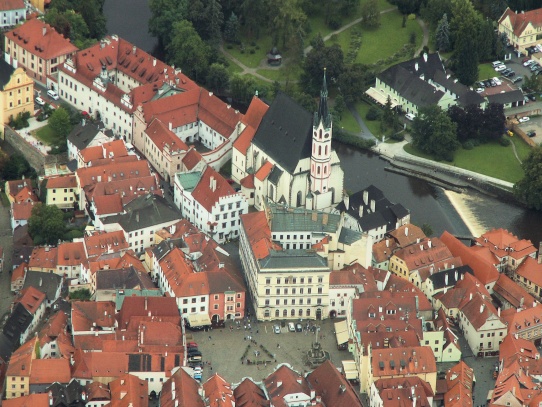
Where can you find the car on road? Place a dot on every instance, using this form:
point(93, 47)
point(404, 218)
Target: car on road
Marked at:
point(524, 119)
point(500, 68)
point(192, 345)
point(410, 116)
point(39, 101)
point(291, 327)
point(276, 329)
point(52, 94)
point(517, 79)
point(531, 133)
point(528, 62)
point(197, 372)
point(299, 327)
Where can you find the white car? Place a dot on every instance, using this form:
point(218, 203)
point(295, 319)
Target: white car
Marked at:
point(497, 81)
point(39, 101)
point(291, 327)
point(52, 94)
point(276, 329)
point(524, 119)
point(500, 68)
point(529, 62)
point(479, 90)
point(410, 116)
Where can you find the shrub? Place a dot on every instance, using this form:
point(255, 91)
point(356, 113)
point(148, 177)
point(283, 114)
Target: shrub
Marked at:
point(73, 234)
point(397, 137)
point(253, 43)
point(229, 46)
point(252, 51)
point(334, 21)
point(504, 142)
point(352, 140)
point(468, 145)
point(373, 113)
point(412, 16)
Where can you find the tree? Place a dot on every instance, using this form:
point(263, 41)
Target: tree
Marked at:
point(214, 21)
point(46, 224)
point(253, 14)
point(433, 11)
point(354, 80)
point(407, 6)
point(466, 63)
point(434, 133)
point(533, 83)
point(231, 30)
point(218, 78)
point(370, 14)
point(59, 122)
point(91, 10)
point(443, 34)
point(339, 106)
point(288, 22)
point(318, 58)
point(492, 127)
point(188, 51)
point(427, 229)
point(242, 88)
point(164, 14)
point(529, 188)
point(17, 167)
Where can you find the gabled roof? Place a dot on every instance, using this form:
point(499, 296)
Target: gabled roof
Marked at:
point(332, 386)
point(478, 310)
point(353, 275)
point(143, 306)
point(99, 243)
point(22, 210)
point(459, 380)
point(252, 120)
point(416, 360)
point(6, 5)
point(285, 381)
point(531, 270)
point(162, 136)
point(31, 298)
point(128, 277)
point(83, 134)
point(32, 400)
point(45, 371)
point(21, 360)
point(66, 181)
point(502, 243)
point(191, 158)
point(40, 39)
point(521, 319)
point(258, 233)
point(520, 21)
point(285, 132)
point(513, 293)
point(219, 392)
point(407, 234)
point(398, 392)
point(211, 187)
point(185, 391)
point(71, 254)
point(87, 314)
point(249, 394)
point(129, 391)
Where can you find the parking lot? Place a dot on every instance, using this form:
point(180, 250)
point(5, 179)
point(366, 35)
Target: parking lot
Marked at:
point(224, 348)
point(535, 123)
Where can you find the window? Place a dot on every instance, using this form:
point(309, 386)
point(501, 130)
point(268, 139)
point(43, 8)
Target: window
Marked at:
point(267, 281)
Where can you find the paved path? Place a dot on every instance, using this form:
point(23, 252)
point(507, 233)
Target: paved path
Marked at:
point(365, 133)
point(425, 40)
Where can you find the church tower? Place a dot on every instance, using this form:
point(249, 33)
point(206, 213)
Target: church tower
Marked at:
point(321, 145)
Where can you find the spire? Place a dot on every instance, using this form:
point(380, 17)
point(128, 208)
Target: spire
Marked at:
point(323, 111)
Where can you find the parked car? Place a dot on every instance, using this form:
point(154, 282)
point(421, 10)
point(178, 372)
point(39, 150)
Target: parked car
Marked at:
point(497, 81)
point(524, 119)
point(480, 84)
point(534, 67)
point(500, 68)
point(511, 74)
point(496, 63)
point(291, 327)
point(193, 352)
point(524, 60)
point(531, 133)
point(299, 327)
point(39, 101)
point(410, 116)
point(528, 62)
point(192, 345)
point(487, 83)
point(276, 329)
point(52, 94)
point(517, 79)
point(479, 90)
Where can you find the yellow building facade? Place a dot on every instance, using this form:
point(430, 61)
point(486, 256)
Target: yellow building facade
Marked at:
point(17, 92)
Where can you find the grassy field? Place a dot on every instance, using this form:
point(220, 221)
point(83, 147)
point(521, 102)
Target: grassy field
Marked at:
point(349, 123)
point(46, 135)
point(374, 126)
point(384, 41)
point(486, 71)
point(490, 159)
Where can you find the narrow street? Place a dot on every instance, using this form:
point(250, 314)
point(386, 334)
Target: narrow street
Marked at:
point(6, 242)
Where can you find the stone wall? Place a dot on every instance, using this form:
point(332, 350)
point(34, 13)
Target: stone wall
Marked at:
point(34, 157)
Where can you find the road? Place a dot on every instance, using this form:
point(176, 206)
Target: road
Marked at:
point(6, 242)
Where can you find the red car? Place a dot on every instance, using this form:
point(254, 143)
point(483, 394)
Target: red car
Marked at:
point(525, 60)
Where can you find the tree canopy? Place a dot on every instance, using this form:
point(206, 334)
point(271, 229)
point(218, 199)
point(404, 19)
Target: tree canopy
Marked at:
point(434, 133)
point(529, 188)
point(46, 224)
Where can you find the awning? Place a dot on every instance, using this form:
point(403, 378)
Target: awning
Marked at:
point(380, 97)
point(198, 320)
point(341, 332)
point(349, 369)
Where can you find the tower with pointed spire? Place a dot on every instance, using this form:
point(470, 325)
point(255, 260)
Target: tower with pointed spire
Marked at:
point(322, 129)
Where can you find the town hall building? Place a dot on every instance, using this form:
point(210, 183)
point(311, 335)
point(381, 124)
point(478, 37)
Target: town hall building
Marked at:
point(289, 159)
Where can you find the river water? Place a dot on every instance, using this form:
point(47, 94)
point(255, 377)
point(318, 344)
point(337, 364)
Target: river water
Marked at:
point(427, 203)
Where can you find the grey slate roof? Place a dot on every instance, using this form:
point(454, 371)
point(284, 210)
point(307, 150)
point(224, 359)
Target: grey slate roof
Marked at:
point(285, 133)
point(47, 283)
point(17, 323)
point(275, 175)
point(302, 220)
point(145, 211)
point(6, 70)
point(385, 214)
point(292, 260)
point(439, 279)
point(6, 347)
point(507, 97)
point(122, 278)
point(81, 136)
point(349, 236)
point(69, 395)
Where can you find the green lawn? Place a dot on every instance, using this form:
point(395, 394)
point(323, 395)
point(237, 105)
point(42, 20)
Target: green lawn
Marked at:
point(490, 159)
point(290, 72)
point(233, 68)
point(46, 135)
point(386, 40)
point(486, 71)
point(349, 123)
point(252, 60)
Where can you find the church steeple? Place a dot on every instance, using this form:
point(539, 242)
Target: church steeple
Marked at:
point(323, 114)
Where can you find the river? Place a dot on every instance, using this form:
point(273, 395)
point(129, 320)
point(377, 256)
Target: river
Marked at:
point(427, 203)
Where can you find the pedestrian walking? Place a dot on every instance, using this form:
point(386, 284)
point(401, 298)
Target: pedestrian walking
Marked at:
point(209, 337)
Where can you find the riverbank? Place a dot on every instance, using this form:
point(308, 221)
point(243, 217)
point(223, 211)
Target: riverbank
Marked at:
point(465, 213)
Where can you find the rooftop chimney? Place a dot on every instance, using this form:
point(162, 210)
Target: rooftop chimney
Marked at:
point(44, 31)
point(134, 48)
point(366, 197)
point(346, 201)
point(406, 231)
point(373, 205)
point(154, 62)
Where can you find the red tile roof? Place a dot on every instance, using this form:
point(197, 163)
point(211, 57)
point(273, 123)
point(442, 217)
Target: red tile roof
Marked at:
point(145, 306)
point(252, 120)
point(71, 254)
point(502, 243)
point(127, 189)
point(6, 5)
point(46, 371)
point(32, 400)
point(258, 233)
point(191, 159)
point(219, 392)
point(484, 271)
point(162, 136)
point(108, 204)
point(111, 149)
point(97, 391)
point(520, 319)
point(428, 252)
point(285, 381)
point(31, 298)
point(40, 39)
point(87, 314)
point(211, 187)
point(513, 293)
point(105, 242)
point(264, 171)
point(66, 181)
point(249, 394)
point(19, 272)
point(479, 310)
point(397, 392)
point(43, 258)
point(326, 379)
point(248, 181)
point(113, 172)
point(460, 380)
point(383, 250)
point(184, 391)
point(416, 360)
point(22, 210)
point(531, 270)
point(520, 21)
point(129, 391)
point(353, 275)
point(407, 234)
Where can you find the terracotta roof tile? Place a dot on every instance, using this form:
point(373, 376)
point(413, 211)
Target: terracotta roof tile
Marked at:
point(43, 257)
point(478, 310)
point(129, 391)
point(284, 381)
point(416, 360)
point(46, 371)
point(258, 233)
point(85, 314)
point(326, 379)
point(354, 274)
point(407, 234)
point(105, 242)
point(39, 38)
point(31, 298)
point(219, 392)
point(520, 21)
point(502, 243)
point(207, 195)
point(108, 204)
point(161, 136)
point(531, 270)
point(22, 210)
point(143, 306)
point(513, 293)
point(21, 359)
point(264, 171)
point(191, 159)
point(397, 392)
point(249, 394)
point(186, 391)
point(66, 181)
point(32, 400)
point(6, 5)
point(520, 319)
point(248, 181)
point(71, 254)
